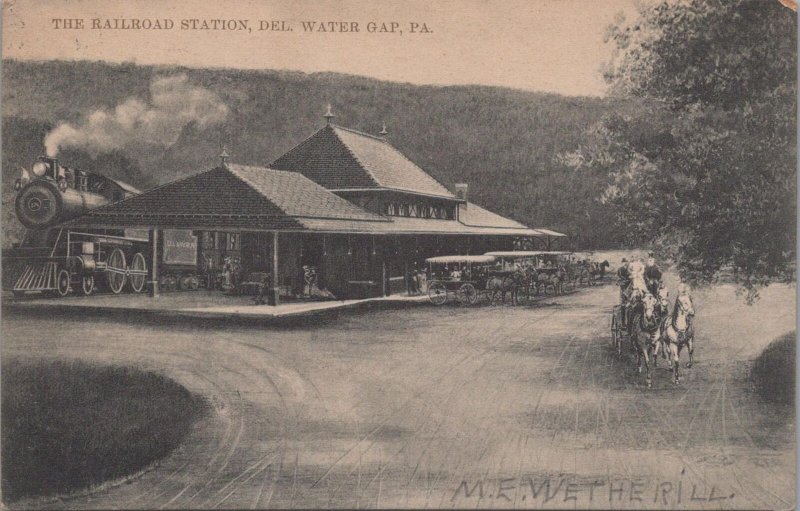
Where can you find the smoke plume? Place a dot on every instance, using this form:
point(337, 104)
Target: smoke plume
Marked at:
point(174, 103)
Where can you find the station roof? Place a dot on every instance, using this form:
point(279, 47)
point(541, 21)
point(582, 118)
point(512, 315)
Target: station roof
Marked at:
point(344, 159)
point(240, 197)
point(236, 196)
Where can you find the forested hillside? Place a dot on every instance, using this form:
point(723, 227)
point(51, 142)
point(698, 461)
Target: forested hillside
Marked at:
point(503, 142)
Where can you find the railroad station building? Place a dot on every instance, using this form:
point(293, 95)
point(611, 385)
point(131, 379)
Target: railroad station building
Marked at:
point(345, 202)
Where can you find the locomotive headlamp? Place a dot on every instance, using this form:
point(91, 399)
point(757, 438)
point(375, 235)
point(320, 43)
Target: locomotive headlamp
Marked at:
point(39, 168)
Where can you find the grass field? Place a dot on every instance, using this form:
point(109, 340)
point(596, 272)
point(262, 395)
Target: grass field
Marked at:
point(71, 425)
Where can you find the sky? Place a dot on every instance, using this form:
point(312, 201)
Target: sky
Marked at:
point(542, 45)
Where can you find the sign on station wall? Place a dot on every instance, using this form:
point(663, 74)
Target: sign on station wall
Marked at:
point(180, 247)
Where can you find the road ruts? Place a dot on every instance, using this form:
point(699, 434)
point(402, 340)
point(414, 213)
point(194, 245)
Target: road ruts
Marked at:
point(396, 408)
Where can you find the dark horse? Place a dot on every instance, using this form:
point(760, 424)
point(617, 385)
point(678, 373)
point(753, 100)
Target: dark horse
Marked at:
point(499, 285)
point(645, 330)
point(597, 271)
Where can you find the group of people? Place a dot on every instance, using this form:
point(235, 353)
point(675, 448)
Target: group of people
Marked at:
point(638, 278)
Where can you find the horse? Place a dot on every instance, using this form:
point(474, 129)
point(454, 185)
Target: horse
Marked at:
point(500, 285)
point(597, 271)
point(645, 329)
point(678, 333)
point(585, 274)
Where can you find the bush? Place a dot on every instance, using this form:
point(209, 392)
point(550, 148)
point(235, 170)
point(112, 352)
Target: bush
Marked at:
point(773, 371)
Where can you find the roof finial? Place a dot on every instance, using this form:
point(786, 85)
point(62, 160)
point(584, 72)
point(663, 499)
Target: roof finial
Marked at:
point(329, 115)
point(383, 132)
point(223, 157)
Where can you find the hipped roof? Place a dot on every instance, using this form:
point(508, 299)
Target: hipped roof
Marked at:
point(236, 196)
point(344, 159)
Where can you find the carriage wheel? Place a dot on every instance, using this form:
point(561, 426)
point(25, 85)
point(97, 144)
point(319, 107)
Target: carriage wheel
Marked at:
point(183, 283)
point(549, 289)
point(87, 284)
point(467, 294)
point(194, 283)
point(169, 283)
point(616, 334)
point(614, 329)
point(437, 293)
point(62, 283)
point(138, 272)
point(115, 271)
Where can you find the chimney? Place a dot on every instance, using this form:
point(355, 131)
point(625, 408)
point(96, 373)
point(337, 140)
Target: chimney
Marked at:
point(223, 157)
point(462, 191)
point(383, 132)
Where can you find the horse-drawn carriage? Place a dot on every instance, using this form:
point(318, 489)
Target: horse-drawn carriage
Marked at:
point(645, 322)
point(465, 277)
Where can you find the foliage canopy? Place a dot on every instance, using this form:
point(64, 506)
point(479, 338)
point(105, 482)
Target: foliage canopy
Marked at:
point(712, 184)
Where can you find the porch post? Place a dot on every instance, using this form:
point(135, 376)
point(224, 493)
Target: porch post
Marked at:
point(154, 241)
point(275, 279)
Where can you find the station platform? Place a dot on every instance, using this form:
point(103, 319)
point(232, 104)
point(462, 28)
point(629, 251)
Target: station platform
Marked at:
point(200, 304)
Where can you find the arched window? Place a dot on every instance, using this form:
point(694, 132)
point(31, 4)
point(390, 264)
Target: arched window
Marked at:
point(432, 211)
point(402, 211)
point(413, 210)
point(390, 209)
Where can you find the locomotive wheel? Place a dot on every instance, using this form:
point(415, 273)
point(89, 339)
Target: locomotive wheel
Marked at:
point(467, 294)
point(138, 272)
point(87, 284)
point(437, 293)
point(62, 283)
point(115, 271)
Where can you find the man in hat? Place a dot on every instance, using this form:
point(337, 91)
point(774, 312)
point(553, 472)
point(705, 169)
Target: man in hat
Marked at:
point(652, 275)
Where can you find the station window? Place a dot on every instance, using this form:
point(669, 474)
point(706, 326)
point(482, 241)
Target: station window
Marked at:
point(233, 241)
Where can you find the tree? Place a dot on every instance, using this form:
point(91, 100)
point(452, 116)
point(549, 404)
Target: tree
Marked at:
point(713, 187)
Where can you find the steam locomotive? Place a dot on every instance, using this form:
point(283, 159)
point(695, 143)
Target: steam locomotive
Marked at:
point(55, 260)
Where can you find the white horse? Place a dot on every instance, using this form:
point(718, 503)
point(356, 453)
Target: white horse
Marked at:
point(679, 332)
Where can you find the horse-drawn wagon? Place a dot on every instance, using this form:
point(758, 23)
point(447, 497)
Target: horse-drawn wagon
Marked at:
point(463, 276)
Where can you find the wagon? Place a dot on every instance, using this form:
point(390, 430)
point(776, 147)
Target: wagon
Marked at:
point(463, 277)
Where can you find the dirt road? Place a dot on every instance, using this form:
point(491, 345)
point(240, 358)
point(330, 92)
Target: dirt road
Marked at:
point(452, 407)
